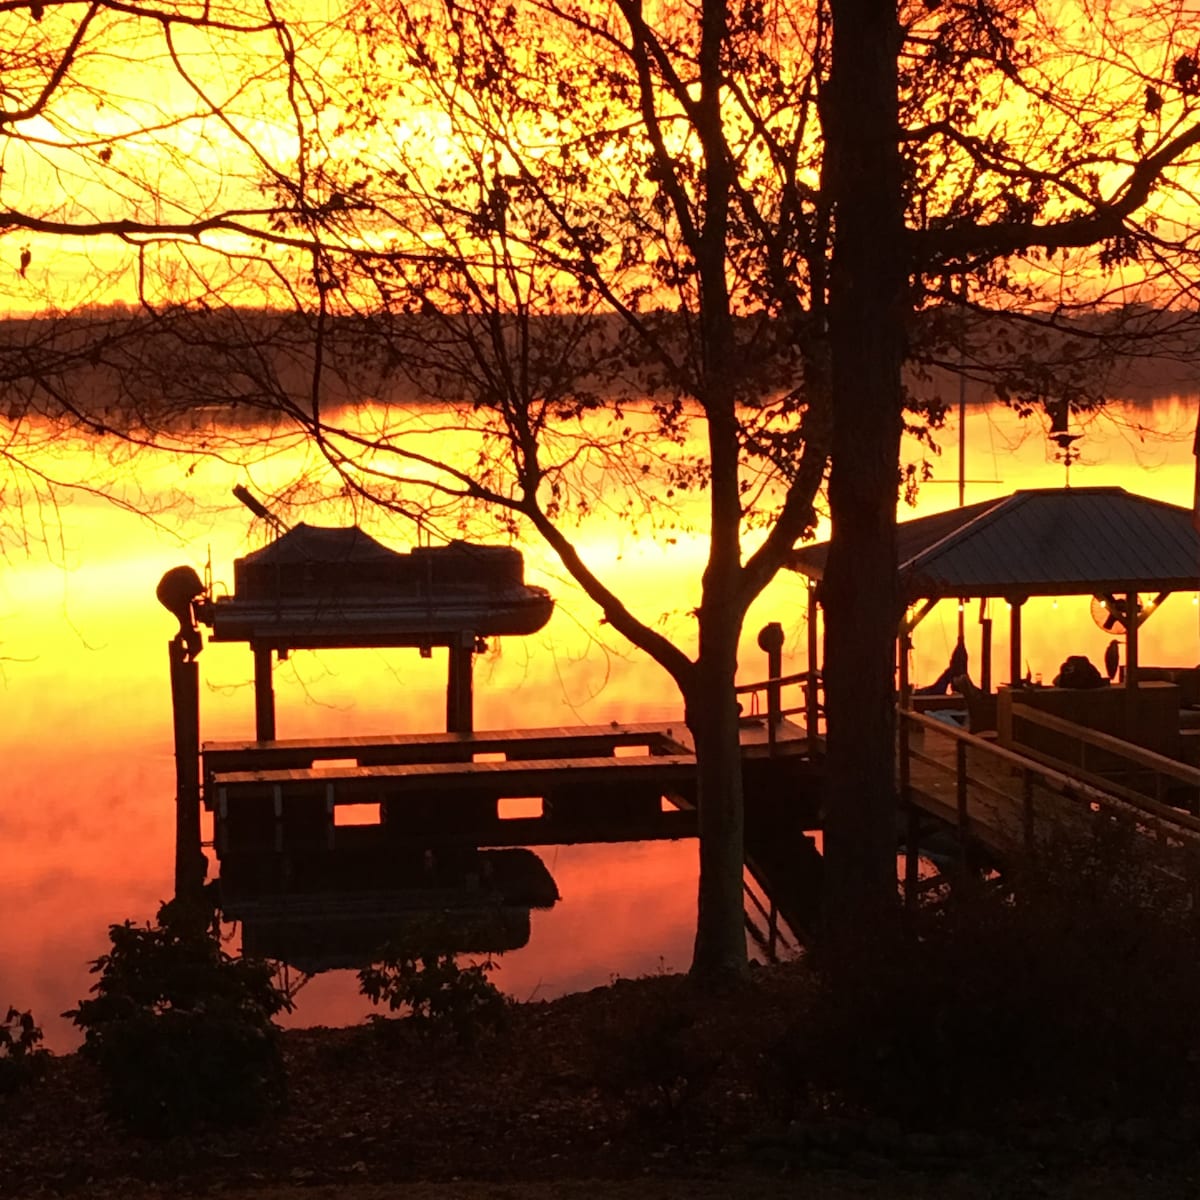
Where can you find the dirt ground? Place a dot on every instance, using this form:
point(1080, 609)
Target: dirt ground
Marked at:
point(576, 1098)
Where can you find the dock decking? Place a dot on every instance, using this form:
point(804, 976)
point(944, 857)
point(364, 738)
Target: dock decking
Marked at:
point(592, 783)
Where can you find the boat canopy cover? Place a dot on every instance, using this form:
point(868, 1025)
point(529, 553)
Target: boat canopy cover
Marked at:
point(331, 587)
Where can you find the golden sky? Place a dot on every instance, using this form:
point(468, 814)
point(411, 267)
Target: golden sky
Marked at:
point(161, 121)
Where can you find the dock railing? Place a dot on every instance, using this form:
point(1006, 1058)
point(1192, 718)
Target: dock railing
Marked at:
point(1122, 767)
point(771, 692)
point(1009, 802)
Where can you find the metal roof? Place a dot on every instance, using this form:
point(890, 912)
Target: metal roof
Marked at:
point(1044, 542)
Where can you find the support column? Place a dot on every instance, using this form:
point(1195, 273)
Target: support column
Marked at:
point(903, 649)
point(912, 830)
point(812, 711)
point(1131, 657)
point(770, 639)
point(460, 698)
point(190, 864)
point(264, 695)
point(1014, 645)
point(985, 647)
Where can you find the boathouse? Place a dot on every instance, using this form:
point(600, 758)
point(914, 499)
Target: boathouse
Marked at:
point(1034, 759)
point(1130, 552)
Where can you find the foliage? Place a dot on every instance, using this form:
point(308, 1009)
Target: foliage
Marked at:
point(21, 1060)
point(1075, 995)
point(440, 996)
point(181, 1030)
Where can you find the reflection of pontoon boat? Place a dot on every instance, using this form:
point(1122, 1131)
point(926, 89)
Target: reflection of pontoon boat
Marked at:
point(314, 587)
point(469, 901)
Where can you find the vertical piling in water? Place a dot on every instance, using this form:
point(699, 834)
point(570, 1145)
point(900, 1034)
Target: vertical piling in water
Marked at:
point(264, 695)
point(190, 866)
point(460, 697)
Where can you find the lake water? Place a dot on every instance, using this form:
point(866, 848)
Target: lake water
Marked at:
point(86, 821)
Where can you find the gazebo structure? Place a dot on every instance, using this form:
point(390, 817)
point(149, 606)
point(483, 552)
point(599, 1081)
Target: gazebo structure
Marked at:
point(1094, 541)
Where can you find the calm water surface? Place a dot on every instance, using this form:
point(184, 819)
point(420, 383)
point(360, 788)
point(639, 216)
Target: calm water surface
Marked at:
point(86, 788)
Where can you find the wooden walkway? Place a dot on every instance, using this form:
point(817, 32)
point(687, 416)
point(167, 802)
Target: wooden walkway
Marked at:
point(1009, 803)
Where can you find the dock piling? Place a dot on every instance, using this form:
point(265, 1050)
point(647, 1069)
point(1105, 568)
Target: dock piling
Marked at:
point(190, 865)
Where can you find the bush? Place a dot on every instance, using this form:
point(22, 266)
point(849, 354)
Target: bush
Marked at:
point(654, 1054)
point(21, 1060)
point(1076, 996)
point(181, 1030)
point(440, 996)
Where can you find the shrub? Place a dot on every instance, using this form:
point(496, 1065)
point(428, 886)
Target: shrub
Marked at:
point(1074, 996)
point(21, 1060)
point(439, 995)
point(653, 1052)
point(181, 1030)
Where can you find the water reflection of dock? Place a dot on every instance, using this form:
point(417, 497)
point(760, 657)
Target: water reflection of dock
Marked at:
point(474, 902)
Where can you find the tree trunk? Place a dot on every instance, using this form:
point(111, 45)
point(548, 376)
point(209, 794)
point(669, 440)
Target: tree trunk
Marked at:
point(712, 717)
point(868, 296)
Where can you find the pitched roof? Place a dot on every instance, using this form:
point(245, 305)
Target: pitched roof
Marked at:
point(321, 544)
point(1044, 542)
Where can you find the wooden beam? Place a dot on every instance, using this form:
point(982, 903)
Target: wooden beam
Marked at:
point(264, 695)
point(1014, 644)
point(460, 698)
point(910, 623)
point(811, 702)
point(985, 647)
point(1132, 626)
point(190, 864)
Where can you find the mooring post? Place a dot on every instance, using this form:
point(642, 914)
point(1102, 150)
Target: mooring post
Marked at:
point(770, 639)
point(460, 698)
point(190, 865)
point(264, 695)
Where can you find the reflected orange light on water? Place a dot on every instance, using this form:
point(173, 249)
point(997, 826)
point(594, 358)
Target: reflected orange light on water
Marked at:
point(86, 820)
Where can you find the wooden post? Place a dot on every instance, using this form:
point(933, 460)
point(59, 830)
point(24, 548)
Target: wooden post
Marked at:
point(190, 864)
point(1131, 661)
point(264, 695)
point(960, 794)
point(460, 700)
point(912, 835)
point(770, 639)
point(1014, 645)
point(912, 824)
point(1027, 811)
point(903, 646)
point(985, 653)
point(812, 712)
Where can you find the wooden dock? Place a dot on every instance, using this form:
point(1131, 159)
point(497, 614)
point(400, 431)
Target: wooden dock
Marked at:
point(276, 804)
point(1007, 804)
